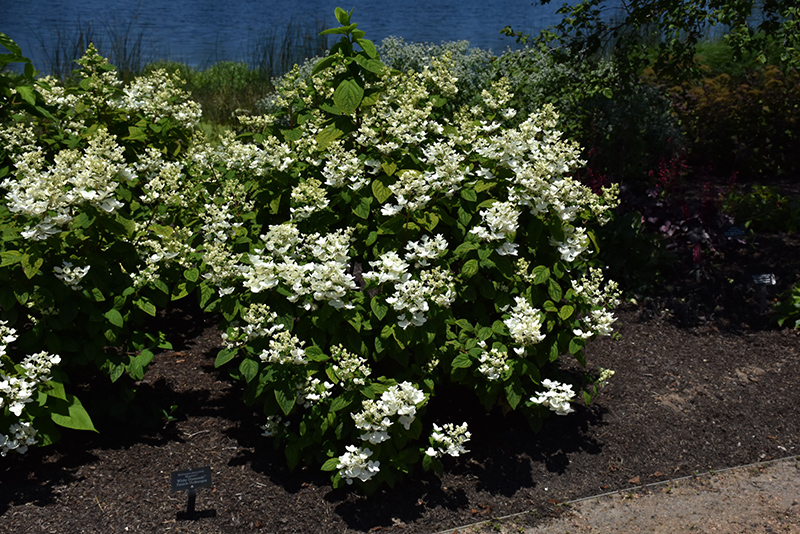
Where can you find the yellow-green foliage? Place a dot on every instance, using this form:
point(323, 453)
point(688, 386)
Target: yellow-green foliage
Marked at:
point(747, 124)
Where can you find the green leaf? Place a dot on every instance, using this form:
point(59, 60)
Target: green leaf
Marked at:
point(554, 290)
point(315, 354)
point(381, 192)
point(30, 269)
point(324, 63)
point(224, 356)
point(368, 47)
point(27, 93)
point(70, 413)
point(191, 274)
point(146, 306)
point(347, 96)
point(327, 136)
point(285, 400)
point(331, 464)
point(388, 167)
point(470, 268)
point(362, 210)
point(462, 361)
point(10, 257)
point(114, 317)
point(566, 312)
point(342, 16)
point(378, 307)
point(249, 369)
point(540, 274)
point(513, 392)
point(469, 195)
point(576, 345)
point(135, 134)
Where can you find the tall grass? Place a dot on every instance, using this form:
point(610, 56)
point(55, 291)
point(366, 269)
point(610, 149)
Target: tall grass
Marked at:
point(222, 88)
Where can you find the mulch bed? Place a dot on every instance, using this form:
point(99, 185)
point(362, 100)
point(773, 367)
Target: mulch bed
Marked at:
point(704, 381)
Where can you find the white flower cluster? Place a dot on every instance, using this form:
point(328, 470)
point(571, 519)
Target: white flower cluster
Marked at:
point(274, 426)
point(51, 192)
point(557, 397)
point(448, 439)
point(20, 389)
point(313, 267)
point(412, 295)
point(377, 416)
point(349, 368)
point(355, 464)
point(163, 181)
point(425, 250)
point(312, 391)
point(604, 376)
point(284, 349)
point(493, 363)
point(502, 220)
point(599, 321)
point(159, 95)
point(308, 198)
point(21, 435)
point(343, 167)
point(71, 275)
point(575, 243)
point(524, 324)
point(260, 321)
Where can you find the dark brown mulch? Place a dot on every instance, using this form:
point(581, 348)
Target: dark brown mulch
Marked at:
point(703, 381)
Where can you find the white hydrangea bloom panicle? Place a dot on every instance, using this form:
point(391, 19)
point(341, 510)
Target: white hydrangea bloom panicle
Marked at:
point(398, 403)
point(557, 397)
point(284, 349)
point(524, 324)
point(350, 368)
point(493, 363)
point(448, 439)
point(17, 390)
point(70, 274)
point(355, 464)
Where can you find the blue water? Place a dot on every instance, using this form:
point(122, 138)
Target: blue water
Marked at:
point(200, 32)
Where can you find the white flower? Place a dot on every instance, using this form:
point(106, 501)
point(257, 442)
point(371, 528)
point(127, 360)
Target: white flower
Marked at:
point(448, 439)
point(355, 464)
point(557, 397)
point(525, 323)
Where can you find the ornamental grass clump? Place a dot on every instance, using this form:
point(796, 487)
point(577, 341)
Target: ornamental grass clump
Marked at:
point(383, 246)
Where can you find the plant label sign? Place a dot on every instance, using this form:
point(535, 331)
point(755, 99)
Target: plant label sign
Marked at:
point(764, 279)
point(190, 479)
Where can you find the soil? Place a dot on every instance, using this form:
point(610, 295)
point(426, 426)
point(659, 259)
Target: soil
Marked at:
point(704, 381)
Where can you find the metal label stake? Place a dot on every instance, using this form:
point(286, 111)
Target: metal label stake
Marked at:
point(189, 480)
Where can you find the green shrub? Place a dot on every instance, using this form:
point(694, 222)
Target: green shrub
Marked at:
point(94, 241)
point(376, 249)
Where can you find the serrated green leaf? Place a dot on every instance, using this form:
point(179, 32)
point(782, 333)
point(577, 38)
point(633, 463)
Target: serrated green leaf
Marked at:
point(462, 361)
point(540, 274)
point(566, 312)
point(249, 369)
point(191, 274)
point(10, 257)
point(378, 307)
point(347, 96)
point(362, 210)
point(114, 317)
point(388, 167)
point(327, 136)
point(146, 306)
point(331, 464)
point(469, 194)
point(554, 290)
point(381, 192)
point(513, 393)
point(285, 400)
point(470, 268)
point(30, 269)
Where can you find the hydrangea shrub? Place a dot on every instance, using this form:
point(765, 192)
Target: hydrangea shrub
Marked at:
point(94, 214)
point(381, 245)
